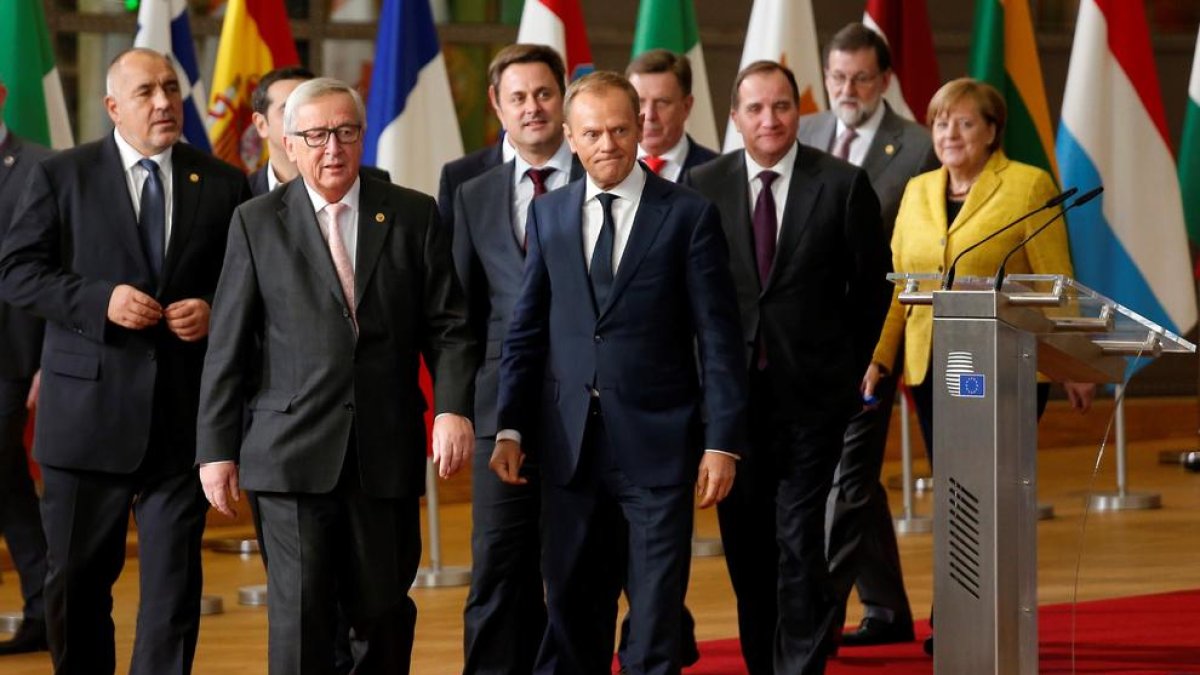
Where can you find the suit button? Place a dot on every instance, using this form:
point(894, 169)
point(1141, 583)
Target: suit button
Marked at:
point(349, 407)
point(597, 339)
point(345, 313)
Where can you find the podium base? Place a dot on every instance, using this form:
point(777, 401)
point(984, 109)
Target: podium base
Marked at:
point(1130, 501)
point(1175, 457)
point(920, 483)
point(914, 525)
point(442, 577)
point(707, 548)
point(1045, 511)
point(211, 604)
point(10, 621)
point(246, 547)
point(253, 596)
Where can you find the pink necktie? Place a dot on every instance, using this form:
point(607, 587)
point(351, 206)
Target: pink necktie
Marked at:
point(841, 148)
point(341, 259)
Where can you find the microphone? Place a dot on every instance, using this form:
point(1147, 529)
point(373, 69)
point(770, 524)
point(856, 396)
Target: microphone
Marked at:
point(948, 281)
point(1087, 197)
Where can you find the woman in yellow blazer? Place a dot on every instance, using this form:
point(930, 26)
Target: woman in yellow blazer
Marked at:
point(977, 191)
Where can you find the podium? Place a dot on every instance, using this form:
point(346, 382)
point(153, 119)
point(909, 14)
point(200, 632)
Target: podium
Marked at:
point(988, 347)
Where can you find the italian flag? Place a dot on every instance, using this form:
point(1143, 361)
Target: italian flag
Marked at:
point(36, 109)
point(1004, 54)
point(671, 25)
point(1189, 154)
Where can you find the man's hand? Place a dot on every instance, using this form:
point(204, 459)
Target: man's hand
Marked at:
point(453, 443)
point(506, 462)
point(130, 308)
point(1080, 394)
point(188, 319)
point(716, 478)
point(220, 483)
point(34, 388)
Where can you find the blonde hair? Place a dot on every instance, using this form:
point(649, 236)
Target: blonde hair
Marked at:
point(988, 102)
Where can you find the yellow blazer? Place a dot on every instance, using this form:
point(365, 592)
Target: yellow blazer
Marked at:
point(922, 242)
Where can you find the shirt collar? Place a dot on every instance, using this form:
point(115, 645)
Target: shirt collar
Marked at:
point(559, 161)
point(630, 188)
point(869, 125)
point(676, 154)
point(272, 180)
point(783, 167)
point(130, 156)
point(507, 151)
point(349, 199)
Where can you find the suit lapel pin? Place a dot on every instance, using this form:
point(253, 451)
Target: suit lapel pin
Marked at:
point(195, 177)
point(889, 149)
point(9, 160)
point(379, 218)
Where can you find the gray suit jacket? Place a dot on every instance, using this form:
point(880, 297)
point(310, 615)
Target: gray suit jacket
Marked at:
point(279, 310)
point(901, 149)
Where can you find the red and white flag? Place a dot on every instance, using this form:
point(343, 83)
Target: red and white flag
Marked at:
point(559, 24)
point(905, 26)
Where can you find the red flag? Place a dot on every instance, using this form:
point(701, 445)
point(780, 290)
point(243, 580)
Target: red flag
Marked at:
point(905, 26)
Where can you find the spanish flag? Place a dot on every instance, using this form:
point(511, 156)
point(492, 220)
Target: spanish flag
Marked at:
point(255, 38)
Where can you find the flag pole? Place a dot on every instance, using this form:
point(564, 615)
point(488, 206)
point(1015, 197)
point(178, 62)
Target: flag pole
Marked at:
point(436, 575)
point(909, 522)
point(1123, 499)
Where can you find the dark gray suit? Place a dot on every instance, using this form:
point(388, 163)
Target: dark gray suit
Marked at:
point(335, 444)
point(20, 351)
point(505, 613)
point(861, 542)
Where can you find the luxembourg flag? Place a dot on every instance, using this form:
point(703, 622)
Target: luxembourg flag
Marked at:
point(559, 24)
point(1130, 244)
point(412, 126)
point(163, 26)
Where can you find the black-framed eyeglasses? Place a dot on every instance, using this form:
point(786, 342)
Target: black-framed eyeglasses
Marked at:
point(317, 137)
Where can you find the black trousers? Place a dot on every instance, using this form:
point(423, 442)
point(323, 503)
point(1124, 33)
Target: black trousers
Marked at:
point(20, 520)
point(505, 616)
point(773, 528)
point(86, 515)
point(596, 525)
point(860, 538)
point(341, 549)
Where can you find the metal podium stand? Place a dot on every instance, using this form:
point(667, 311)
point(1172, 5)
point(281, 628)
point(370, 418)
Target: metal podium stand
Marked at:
point(988, 347)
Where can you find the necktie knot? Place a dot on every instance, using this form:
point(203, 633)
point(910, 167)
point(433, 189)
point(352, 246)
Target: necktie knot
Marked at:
point(654, 163)
point(767, 177)
point(841, 147)
point(149, 165)
point(606, 200)
point(539, 177)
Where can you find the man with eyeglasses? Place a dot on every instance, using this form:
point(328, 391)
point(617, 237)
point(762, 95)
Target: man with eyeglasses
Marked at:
point(333, 288)
point(118, 244)
point(862, 129)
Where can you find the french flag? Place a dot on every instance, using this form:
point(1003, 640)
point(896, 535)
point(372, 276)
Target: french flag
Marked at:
point(163, 26)
point(1131, 243)
point(558, 24)
point(412, 126)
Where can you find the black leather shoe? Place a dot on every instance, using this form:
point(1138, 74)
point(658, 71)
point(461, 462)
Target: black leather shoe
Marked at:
point(877, 632)
point(30, 637)
point(928, 646)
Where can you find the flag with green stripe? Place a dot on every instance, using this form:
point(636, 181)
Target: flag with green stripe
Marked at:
point(1004, 54)
point(671, 24)
point(1189, 154)
point(35, 108)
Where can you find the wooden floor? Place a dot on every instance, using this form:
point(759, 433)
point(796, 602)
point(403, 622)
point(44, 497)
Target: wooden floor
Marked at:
point(1115, 554)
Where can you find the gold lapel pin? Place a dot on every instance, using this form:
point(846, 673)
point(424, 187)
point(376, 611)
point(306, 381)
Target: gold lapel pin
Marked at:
point(889, 149)
point(195, 177)
point(9, 160)
point(379, 218)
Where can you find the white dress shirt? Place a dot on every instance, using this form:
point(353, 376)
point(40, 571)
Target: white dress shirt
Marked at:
point(272, 179)
point(866, 134)
point(349, 218)
point(523, 184)
point(135, 178)
point(624, 208)
point(779, 189)
point(673, 169)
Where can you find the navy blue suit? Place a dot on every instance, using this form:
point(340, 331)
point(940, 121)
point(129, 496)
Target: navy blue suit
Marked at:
point(612, 395)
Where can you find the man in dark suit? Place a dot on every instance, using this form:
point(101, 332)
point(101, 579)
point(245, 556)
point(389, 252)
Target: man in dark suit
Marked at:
point(333, 288)
point(505, 614)
point(267, 103)
point(118, 245)
point(463, 169)
point(863, 130)
point(663, 80)
point(810, 266)
point(625, 273)
point(20, 351)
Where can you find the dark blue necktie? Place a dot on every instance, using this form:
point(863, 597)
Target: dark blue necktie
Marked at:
point(602, 255)
point(152, 221)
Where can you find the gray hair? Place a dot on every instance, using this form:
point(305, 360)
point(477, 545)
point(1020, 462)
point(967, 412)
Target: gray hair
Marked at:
point(314, 89)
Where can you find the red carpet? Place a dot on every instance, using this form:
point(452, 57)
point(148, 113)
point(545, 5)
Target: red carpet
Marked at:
point(1143, 635)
